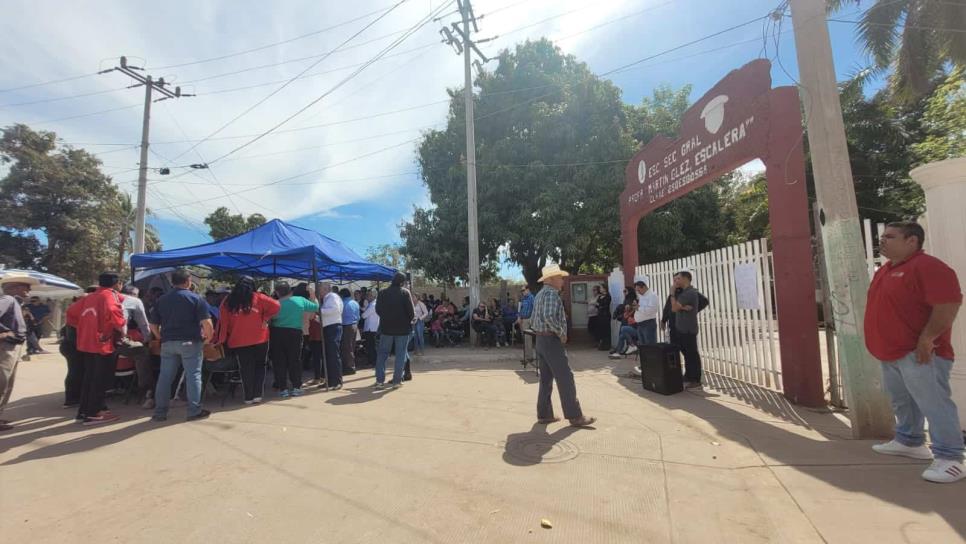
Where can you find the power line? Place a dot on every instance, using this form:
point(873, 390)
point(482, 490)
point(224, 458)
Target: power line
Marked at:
point(388, 48)
point(50, 82)
point(276, 44)
point(533, 99)
point(317, 170)
point(289, 82)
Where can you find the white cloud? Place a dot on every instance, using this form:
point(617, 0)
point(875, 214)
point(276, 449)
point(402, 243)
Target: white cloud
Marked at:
point(82, 38)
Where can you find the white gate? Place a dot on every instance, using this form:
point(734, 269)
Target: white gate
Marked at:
point(738, 332)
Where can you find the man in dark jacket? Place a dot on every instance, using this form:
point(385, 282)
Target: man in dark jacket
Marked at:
point(396, 314)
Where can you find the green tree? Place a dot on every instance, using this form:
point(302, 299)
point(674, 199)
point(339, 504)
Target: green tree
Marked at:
point(944, 121)
point(127, 216)
point(62, 193)
point(538, 112)
point(881, 133)
point(914, 38)
point(746, 206)
point(387, 255)
point(20, 250)
point(222, 224)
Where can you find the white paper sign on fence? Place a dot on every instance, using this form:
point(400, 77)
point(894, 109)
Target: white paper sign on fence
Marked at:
point(746, 286)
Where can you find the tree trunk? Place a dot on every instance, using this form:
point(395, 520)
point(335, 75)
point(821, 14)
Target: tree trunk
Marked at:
point(531, 270)
point(120, 252)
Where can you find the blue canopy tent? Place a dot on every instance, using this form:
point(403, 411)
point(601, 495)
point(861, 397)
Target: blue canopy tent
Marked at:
point(275, 249)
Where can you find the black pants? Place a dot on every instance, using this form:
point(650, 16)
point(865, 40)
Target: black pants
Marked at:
point(251, 361)
point(370, 340)
point(333, 353)
point(315, 347)
point(98, 372)
point(603, 331)
point(555, 367)
point(688, 342)
point(287, 357)
point(75, 373)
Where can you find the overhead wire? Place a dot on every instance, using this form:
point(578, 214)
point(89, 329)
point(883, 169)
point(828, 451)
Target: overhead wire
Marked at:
point(289, 82)
point(490, 114)
point(427, 19)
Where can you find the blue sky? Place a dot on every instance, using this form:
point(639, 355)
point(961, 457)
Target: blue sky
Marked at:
point(362, 182)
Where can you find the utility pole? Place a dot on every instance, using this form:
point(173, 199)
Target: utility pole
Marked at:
point(839, 220)
point(466, 46)
point(149, 86)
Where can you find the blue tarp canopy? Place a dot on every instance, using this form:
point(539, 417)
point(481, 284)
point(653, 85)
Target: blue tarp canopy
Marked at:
point(275, 249)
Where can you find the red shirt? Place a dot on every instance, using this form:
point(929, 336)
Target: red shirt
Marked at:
point(74, 311)
point(101, 316)
point(240, 329)
point(900, 302)
point(315, 330)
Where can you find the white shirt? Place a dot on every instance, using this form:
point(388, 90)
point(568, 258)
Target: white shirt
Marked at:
point(647, 307)
point(331, 310)
point(371, 318)
point(420, 313)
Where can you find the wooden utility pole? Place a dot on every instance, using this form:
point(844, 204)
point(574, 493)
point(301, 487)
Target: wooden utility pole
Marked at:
point(149, 86)
point(839, 220)
point(460, 39)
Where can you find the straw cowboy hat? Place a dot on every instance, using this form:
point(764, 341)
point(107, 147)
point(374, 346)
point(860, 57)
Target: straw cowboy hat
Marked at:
point(551, 271)
point(19, 278)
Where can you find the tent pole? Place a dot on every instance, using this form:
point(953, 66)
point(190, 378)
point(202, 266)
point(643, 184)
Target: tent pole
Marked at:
point(315, 285)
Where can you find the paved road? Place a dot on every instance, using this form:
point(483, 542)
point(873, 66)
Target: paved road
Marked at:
point(455, 456)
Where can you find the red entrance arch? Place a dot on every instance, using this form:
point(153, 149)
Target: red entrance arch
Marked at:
point(740, 119)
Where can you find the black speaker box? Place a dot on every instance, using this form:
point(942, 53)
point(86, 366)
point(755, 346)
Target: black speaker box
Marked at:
point(661, 368)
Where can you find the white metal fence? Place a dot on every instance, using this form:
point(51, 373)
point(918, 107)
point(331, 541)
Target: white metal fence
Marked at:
point(738, 332)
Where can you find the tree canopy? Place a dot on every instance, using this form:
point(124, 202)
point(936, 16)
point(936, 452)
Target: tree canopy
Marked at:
point(58, 194)
point(550, 160)
point(223, 224)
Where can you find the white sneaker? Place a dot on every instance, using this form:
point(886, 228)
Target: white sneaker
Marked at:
point(894, 448)
point(615, 355)
point(945, 471)
point(630, 350)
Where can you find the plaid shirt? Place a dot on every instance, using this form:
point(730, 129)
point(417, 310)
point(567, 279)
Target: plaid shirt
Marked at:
point(548, 313)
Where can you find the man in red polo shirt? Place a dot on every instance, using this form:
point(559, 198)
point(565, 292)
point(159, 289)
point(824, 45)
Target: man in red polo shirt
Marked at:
point(912, 303)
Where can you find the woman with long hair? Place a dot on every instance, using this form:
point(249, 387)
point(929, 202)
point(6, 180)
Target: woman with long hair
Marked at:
point(243, 329)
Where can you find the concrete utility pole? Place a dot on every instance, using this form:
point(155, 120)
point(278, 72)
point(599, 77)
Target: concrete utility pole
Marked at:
point(467, 47)
point(839, 217)
point(149, 86)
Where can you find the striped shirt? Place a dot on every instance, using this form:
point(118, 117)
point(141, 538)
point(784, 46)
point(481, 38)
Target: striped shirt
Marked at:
point(548, 313)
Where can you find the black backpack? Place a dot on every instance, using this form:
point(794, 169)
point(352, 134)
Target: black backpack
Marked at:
point(703, 302)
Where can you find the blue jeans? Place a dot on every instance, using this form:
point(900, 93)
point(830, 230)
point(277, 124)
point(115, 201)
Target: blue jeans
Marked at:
point(419, 333)
point(398, 344)
point(647, 332)
point(627, 336)
point(176, 353)
point(919, 393)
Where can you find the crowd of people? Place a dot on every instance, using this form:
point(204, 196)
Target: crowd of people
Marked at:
point(638, 316)
point(912, 303)
point(175, 340)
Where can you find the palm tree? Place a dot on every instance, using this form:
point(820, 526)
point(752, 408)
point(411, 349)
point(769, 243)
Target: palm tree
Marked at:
point(915, 37)
point(127, 221)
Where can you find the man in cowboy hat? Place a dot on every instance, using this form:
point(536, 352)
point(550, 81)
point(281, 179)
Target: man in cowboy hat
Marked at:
point(549, 323)
point(13, 333)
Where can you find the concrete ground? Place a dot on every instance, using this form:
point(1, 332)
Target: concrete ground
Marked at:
point(456, 456)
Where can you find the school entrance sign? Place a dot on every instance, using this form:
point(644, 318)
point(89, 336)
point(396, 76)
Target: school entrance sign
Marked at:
point(741, 119)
